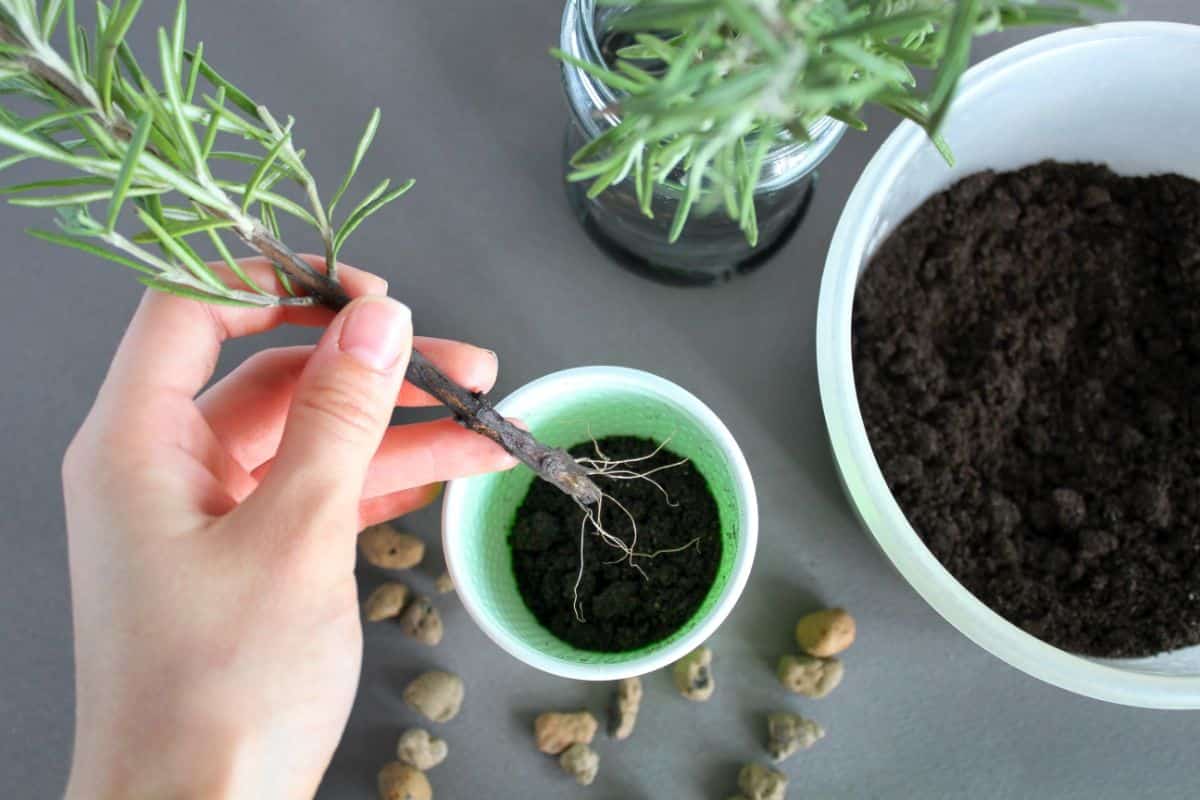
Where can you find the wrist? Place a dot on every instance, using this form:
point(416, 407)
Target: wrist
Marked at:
point(188, 762)
point(162, 770)
point(171, 756)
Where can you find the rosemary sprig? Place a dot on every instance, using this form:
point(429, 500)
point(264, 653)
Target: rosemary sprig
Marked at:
point(147, 151)
point(706, 87)
point(137, 145)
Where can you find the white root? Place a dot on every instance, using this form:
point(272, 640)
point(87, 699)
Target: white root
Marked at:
point(579, 577)
point(609, 462)
point(604, 467)
point(629, 475)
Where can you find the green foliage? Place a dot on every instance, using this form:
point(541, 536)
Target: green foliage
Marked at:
point(148, 152)
point(708, 86)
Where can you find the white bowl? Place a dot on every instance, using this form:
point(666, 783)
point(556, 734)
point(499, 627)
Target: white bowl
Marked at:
point(1122, 94)
point(564, 409)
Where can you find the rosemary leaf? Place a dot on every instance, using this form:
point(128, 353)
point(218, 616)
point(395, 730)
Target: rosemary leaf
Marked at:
point(51, 13)
point(90, 248)
point(48, 123)
point(849, 118)
point(106, 55)
point(178, 34)
point(954, 64)
point(364, 211)
point(216, 298)
point(360, 153)
point(183, 127)
point(194, 74)
point(748, 20)
point(619, 82)
point(58, 183)
point(234, 267)
point(179, 249)
point(236, 95)
point(185, 228)
point(256, 180)
point(133, 152)
point(288, 206)
point(82, 51)
point(882, 65)
point(37, 148)
point(79, 198)
point(214, 123)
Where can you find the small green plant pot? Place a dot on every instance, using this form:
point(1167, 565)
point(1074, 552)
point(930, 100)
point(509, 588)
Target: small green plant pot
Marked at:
point(564, 409)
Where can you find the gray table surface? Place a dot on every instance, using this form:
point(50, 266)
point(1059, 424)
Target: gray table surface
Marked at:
point(485, 250)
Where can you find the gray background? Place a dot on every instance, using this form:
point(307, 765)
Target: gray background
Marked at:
point(485, 250)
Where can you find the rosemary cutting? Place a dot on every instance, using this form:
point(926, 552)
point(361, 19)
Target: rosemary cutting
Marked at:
point(703, 89)
point(143, 152)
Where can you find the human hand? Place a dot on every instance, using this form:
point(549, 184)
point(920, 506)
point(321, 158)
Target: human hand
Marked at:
point(212, 538)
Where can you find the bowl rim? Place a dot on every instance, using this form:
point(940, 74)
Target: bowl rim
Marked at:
point(455, 497)
point(873, 502)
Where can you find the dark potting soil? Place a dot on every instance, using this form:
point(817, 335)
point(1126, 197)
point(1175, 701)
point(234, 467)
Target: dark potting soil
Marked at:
point(1027, 356)
point(621, 609)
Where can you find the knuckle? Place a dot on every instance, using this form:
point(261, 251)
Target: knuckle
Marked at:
point(277, 359)
point(343, 407)
point(310, 501)
point(74, 460)
point(95, 461)
point(295, 537)
point(86, 455)
point(269, 369)
point(260, 361)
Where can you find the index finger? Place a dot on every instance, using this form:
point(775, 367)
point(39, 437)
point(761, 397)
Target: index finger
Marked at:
point(170, 350)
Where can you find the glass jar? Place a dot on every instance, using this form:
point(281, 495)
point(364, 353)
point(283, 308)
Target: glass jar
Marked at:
point(712, 247)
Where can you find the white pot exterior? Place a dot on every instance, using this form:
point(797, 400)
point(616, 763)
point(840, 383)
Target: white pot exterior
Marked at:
point(1122, 94)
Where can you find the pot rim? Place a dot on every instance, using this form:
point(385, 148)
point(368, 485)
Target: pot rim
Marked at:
point(1122, 682)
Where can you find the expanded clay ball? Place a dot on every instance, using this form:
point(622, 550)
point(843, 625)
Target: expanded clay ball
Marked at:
point(422, 621)
point(444, 583)
point(762, 783)
point(825, 633)
point(693, 675)
point(810, 676)
point(580, 762)
point(384, 546)
point(418, 749)
point(401, 782)
point(386, 601)
point(556, 732)
point(437, 695)
point(622, 714)
point(787, 733)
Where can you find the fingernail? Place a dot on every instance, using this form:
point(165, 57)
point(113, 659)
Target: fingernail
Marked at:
point(377, 333)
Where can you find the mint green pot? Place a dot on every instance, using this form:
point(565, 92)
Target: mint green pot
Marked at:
point(562, 410)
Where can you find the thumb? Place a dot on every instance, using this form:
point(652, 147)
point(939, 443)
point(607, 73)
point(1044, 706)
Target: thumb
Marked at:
point(341, 409)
